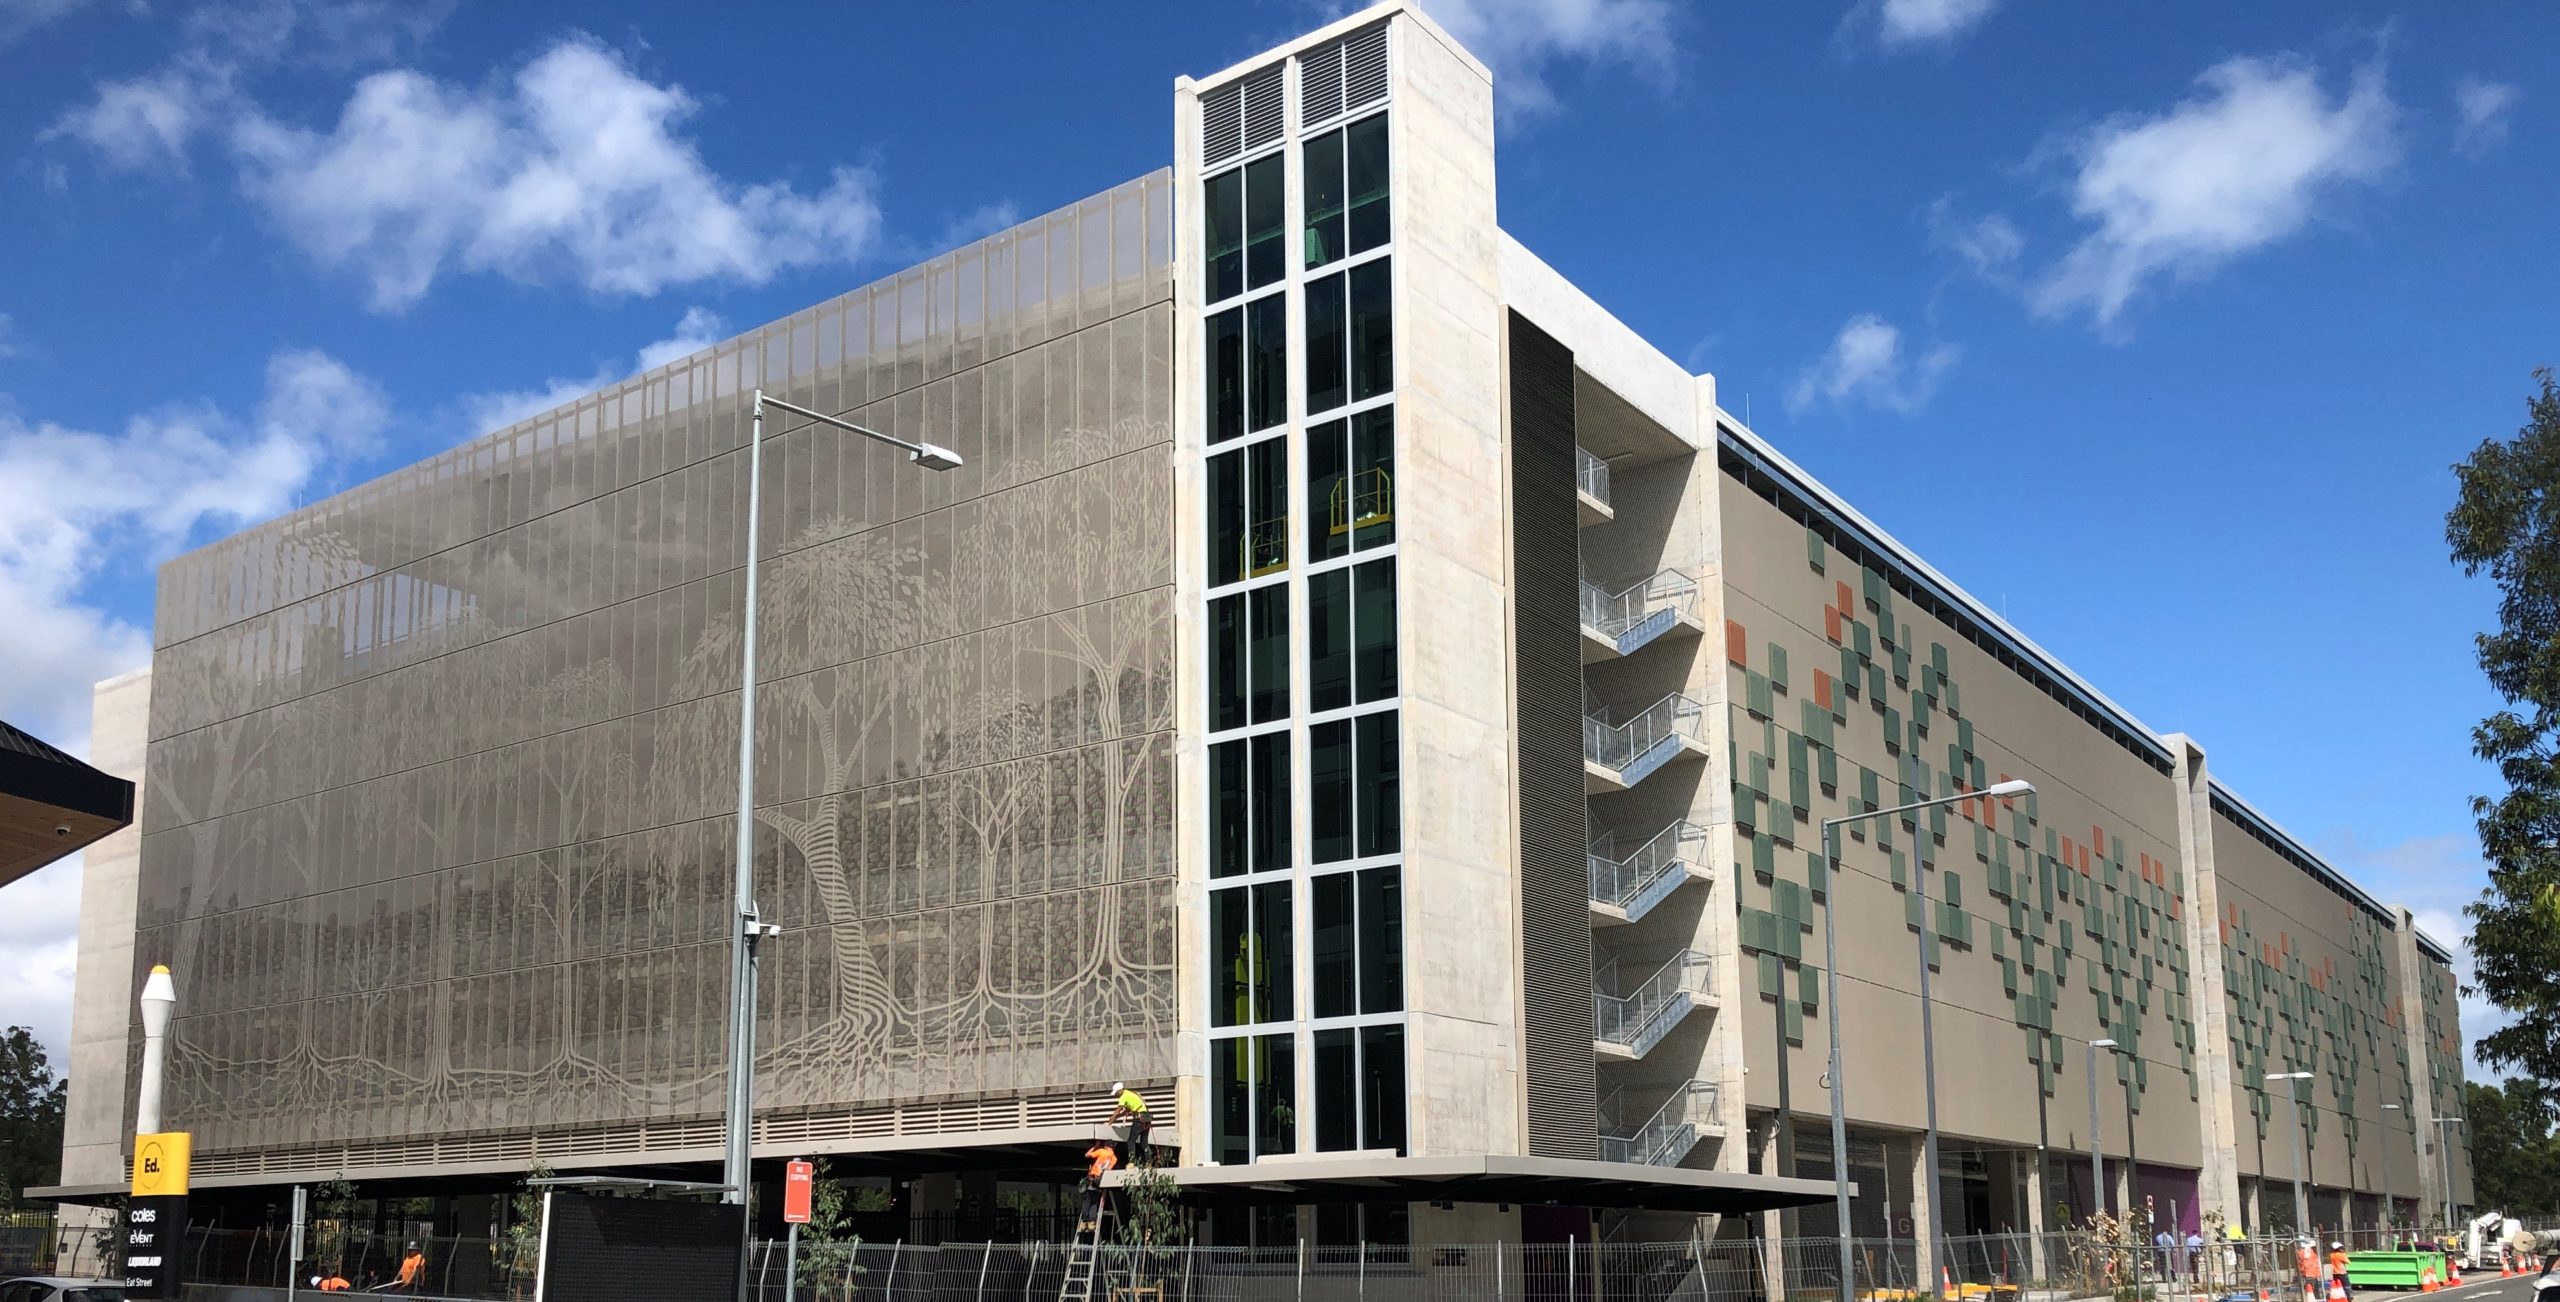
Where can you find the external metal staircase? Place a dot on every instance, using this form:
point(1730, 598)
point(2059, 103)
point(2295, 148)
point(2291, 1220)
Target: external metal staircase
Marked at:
point(1626, 1026)
point(1621, 623)
point(1625, 888)
point(1666, 1136)
point(1618, 755)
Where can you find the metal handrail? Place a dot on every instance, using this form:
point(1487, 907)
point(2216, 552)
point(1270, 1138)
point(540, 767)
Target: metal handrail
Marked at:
point(1626, 1018)
point(1613, 613)
point(1264, 548)
point(1617, 745)
point(1363, 499)
point(1667, 1136)
point(1591, 475)
point(1615, 881)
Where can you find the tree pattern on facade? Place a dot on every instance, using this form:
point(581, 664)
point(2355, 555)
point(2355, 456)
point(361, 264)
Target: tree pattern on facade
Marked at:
point(2292, 1010)
point(2042, 904)
point(438, 826)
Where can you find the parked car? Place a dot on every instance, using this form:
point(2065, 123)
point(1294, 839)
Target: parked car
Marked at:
point(2547, 1288)
point(55, 1288)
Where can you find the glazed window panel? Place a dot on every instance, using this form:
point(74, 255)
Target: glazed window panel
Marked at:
point(1323, 162)
point(1268, 611)
point(1228, 646)
point(1268, 801)
point(1255, 1097)
point(1248, 512)
point(1382, 1120)
point(1267, 365)
point(1329, 640)
point(1381, 947)
point(1372, 330)
point(1226, 379)
point(1328, 356)
point(1337, 1090)
point(1227, 512)
point(1265, 221)
point(1333, 981)
point(1376, 777)
point(1373, 628)
point(1351, 483)
point(1329, 799)
point(1222, 215)
point(1346, 201)
point(1365, 159)
point(1350, 336)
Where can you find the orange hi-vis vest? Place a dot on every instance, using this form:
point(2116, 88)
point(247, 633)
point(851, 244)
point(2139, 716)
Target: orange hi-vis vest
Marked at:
point(1104, 1157)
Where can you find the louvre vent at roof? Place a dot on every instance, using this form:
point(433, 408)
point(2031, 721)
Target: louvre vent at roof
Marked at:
point(1337, 78)
point(1262, 112)
point(1241, 116)
point(1221, 124)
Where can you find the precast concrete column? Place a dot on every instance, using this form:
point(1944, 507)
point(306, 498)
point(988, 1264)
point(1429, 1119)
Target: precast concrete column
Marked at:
point(2199, 891)
point(2033, 1185)
point(1906, 1156)
point(1764, 1156)
point(2409, 968)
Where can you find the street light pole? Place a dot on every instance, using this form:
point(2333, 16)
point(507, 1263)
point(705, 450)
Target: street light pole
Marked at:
point(748, 926)
point(2301, 1201)
point(2097, 1155)
point(2444, 1161)
point(2384, 1125)
point(1928, 1047)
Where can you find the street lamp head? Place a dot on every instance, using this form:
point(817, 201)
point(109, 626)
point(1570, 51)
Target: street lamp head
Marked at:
point(159, 999)
point(2012, 787)
point(2391, 1107)
point(2288, 1075)
point(2102, 1044)
point(934, 457)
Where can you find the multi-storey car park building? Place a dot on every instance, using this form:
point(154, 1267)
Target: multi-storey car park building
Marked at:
point(1355, 689)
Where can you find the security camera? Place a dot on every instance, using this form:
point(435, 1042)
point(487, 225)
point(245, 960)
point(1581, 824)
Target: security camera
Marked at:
point(62, 829)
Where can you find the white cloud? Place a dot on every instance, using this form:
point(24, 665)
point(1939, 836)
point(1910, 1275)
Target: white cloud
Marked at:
point(978, 223)
point(2246, 162)
point(2483, 106)
point(72, 499)
point(1990, 244)
point(151, 119)
point(573, 167)
point(39, 939)
point(1520, 39)
point(1866, 364)
point(19, 17)
point(1901, 23)
point(699, 329)
point(11, 345)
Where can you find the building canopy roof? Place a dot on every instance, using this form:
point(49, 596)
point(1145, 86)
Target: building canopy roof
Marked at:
point(52, 804)
point(1490, 1178)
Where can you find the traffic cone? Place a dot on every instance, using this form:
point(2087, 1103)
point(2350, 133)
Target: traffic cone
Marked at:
point(2337, 1288)
point(1947, 1284)
point(2453, 1265)
point(2427, 1278)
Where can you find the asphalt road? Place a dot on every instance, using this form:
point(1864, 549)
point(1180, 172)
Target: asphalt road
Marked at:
point(2476, 1289)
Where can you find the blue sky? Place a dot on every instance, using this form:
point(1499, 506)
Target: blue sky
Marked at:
point(2156, 326)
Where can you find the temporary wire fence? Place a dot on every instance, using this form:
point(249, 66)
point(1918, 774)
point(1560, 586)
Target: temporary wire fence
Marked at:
point(1982, 1268)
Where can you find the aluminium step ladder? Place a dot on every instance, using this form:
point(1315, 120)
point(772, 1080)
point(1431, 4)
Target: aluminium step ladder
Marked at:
point(1084, 1257)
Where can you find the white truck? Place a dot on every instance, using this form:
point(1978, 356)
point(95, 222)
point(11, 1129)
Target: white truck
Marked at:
point(2486, 1234)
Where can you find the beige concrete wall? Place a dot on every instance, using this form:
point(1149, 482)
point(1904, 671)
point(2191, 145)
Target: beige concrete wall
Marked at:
point(2312, 982)
point(1460, 797)
point(2088, 785)
point(97, 1118)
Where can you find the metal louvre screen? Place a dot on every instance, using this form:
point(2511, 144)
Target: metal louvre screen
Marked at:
point(1555, 923)
point(616, 1249)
